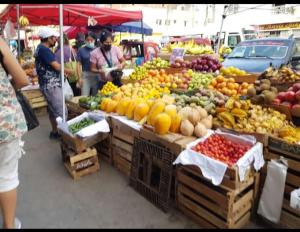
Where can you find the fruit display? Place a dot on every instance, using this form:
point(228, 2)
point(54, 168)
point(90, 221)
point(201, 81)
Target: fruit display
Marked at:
point(190, 47)
point(108, 88)
point(208, 99)
point(290, 98)
point(205, 63)
point(290, 134)
point(243, 116)
point(75, 127)
point(282, 75)
point(262, 92)
point(195, 121)
point(224, 50)
point(232, 71)
point(156, 63)
point(221, 148)
point(139, 73)
point(23, 21)
point(228, 86)
point(200, 80)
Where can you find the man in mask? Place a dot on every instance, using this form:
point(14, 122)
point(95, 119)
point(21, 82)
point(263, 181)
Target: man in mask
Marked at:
point(48, 70)
point(106, 59)
point(88, 80)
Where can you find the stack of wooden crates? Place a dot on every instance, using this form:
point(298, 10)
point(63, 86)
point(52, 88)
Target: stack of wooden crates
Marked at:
point(37, 101)
point(290, 218)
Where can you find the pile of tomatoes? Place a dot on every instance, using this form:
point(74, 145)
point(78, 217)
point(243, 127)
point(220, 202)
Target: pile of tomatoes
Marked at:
point(222, 149)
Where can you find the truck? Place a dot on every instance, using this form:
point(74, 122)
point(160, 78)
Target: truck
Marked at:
point(255, 56)
point(231, 39)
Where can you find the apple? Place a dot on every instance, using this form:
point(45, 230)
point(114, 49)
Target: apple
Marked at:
point(276, 101)
point(290, 96)
point(297, 95)
point(296, 106)
point(281, 96)
point(287, 104)
point(296, 87)
point(291, 89)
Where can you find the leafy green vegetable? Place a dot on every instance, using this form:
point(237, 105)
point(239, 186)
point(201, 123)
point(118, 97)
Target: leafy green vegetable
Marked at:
point(74, 128)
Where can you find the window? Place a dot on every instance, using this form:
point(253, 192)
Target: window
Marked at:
point(296, 51)
point(182, 8)
point(158, 21)
point(174, 21)
point(185, 23)
point(167, 22)
point(233, 40)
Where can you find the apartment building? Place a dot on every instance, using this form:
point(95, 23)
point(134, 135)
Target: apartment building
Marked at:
point(205, 19)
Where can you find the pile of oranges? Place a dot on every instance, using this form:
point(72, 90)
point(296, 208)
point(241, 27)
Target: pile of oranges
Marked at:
point(228, 86)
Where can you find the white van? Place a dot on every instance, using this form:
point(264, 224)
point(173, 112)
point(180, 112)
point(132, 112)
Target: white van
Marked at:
point(231, 39)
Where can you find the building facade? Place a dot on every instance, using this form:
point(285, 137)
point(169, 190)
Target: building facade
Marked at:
point(205, 19)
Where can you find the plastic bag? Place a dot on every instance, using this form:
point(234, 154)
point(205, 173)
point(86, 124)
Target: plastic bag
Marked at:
point(68, 92)
point(271, 199)
point(31, 119)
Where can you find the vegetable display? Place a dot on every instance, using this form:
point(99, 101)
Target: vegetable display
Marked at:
point(74, 128)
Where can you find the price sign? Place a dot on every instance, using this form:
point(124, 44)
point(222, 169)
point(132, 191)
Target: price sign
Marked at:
point(177, 53)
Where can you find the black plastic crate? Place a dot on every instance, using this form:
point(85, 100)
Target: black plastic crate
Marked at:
point(151, 172)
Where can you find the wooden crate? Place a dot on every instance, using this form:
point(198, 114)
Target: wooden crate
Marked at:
point(122, 155)
point(35, 98)
point(79, 144)
point(213, 206)
point(41, 111)
point(104, 149)
point(290, 218)
point(123, 131)
point(82, 164)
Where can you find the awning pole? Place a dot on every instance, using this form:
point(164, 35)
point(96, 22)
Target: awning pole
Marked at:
point(62, 70)
point(142, 27)
point(18, 23)
point(220, 34)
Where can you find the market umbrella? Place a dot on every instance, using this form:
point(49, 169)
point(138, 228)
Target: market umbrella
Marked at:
point(74, 14)
point(134, 27)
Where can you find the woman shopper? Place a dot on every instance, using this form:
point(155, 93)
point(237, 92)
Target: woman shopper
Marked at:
point(12, 127)
point(107, 56)
point(69, 55)
point(48, 70)
point(88, 81)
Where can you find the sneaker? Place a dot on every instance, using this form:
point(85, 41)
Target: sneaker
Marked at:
point(55, 135)
point(17, 223)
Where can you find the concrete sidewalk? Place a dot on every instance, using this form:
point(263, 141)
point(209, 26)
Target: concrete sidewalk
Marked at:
point(49, 198)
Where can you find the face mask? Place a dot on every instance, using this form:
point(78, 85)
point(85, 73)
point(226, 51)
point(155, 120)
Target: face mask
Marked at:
point(106, 47)
point(90, 45)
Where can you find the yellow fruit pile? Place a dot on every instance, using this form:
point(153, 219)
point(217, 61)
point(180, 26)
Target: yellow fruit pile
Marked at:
point(232, 71)
point(108, 88)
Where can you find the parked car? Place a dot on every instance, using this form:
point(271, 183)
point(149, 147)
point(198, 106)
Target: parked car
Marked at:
point(255, 56)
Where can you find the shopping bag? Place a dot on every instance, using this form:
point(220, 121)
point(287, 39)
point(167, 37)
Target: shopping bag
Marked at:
point(68, 92)
point(73, 66)
point(271, 199)
point(31, 119)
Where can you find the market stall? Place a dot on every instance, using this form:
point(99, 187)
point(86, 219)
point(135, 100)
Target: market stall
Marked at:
point(195, 134)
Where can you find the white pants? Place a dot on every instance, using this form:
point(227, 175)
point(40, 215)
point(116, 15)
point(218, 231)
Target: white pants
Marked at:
point(10, 152)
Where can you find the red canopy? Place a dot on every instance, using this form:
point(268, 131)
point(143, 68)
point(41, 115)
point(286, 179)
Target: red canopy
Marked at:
point(73, 14)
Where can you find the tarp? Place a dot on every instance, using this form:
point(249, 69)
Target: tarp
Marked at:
point(73, 14)
point(133, 27)
point(72, 32)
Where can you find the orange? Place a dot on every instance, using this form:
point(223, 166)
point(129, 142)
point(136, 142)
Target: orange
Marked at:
point(213, 82)
point(230, 85)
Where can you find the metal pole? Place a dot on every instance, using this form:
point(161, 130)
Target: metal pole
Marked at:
point(142, 28)
point(219, 38)
point(62, 56)
point(18, 23)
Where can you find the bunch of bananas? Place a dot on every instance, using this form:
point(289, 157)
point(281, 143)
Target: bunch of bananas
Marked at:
point(23, 21)
point(108, 88)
